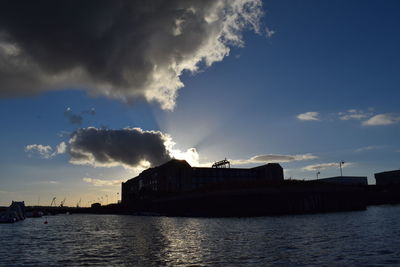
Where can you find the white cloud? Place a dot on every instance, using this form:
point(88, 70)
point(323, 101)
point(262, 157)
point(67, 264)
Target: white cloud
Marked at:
point(52, 182)
point(322, 166)
point(99, 182)
point(269, 32)
point(367, 148)
point(190, 155)
point(63, 134)
point(309, 116)
point(273, 158)
point(44, 151)
point(354, 114)
point(382, 119)
point(61, 148)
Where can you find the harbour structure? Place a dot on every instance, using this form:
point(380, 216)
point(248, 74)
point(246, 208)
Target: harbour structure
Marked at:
point(388, 178)
point(346, 180)
point(14, 213)
point(177, 176)
point(178, 189)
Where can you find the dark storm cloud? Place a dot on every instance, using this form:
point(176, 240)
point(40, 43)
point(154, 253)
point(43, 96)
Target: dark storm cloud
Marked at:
point(123, 49)
point(129, 147)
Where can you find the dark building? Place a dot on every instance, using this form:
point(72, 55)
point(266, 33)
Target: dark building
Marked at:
point(346, 180)
point(388, 178)
point(177, 176)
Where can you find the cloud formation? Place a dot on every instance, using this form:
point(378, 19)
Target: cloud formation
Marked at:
point(77, 119)
point(269, 32)
point(129, 147)
point(123, 49)
point(99, 182)
point(45, 152)
point(73, 118)
point(309, 116)
point(323, 166)
point(273, 158)
point(354, 114)
point(367, 117)
point(367, 148)
point(382, 119)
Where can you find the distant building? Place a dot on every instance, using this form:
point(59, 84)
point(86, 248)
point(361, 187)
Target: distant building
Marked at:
point(95, 205)
point(388, 178)
point(177, 176)
point(346, 180)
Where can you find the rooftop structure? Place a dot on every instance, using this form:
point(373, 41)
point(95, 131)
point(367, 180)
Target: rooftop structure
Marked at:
point(388, 178)
point(222, 164)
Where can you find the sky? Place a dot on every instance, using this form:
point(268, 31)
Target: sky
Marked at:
point(90, 102)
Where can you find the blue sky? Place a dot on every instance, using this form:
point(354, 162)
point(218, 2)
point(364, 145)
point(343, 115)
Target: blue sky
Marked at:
point(334, 62)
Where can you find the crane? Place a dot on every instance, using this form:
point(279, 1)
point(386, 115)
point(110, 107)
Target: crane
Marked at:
point(62, 203)
point(53, 202)
point(79, 202)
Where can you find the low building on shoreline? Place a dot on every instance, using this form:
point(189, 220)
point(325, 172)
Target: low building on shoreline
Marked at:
point(178, 189)
point(177, 176)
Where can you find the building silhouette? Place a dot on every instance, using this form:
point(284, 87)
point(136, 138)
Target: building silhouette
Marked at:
point(388, 178)
point(346, 180)
point(177, 176)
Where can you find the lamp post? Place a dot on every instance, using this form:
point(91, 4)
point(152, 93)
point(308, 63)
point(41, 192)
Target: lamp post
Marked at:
point(340, 166)
point(318, 173)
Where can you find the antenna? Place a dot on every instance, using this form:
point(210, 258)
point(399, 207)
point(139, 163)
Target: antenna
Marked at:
point(340, 166)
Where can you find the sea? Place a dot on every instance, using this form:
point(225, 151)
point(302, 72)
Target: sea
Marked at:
point(366, 238)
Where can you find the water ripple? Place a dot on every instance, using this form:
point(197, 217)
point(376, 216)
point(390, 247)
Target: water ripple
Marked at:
point(353, 238)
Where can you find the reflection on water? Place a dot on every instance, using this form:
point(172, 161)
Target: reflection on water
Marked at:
point(367, 237)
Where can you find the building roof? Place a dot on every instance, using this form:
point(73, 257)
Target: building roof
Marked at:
point(345, 180)
point(388, 172)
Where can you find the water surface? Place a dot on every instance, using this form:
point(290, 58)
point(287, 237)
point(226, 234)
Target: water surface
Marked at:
point(369, 237)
